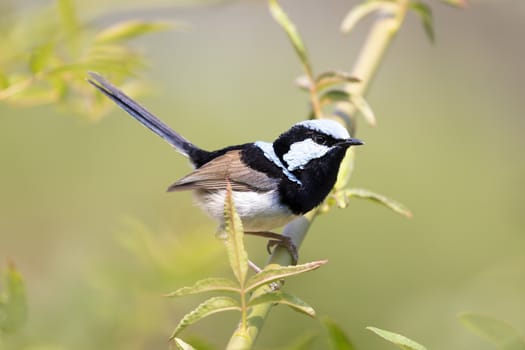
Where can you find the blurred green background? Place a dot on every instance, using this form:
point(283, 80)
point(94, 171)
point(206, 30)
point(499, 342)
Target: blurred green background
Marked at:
point(85, 216)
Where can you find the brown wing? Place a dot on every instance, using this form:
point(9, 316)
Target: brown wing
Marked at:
point(228, 167)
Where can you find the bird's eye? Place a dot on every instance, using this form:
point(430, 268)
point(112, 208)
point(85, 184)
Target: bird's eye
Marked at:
point(319, 139)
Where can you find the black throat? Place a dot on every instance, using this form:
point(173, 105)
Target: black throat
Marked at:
point(318, 178)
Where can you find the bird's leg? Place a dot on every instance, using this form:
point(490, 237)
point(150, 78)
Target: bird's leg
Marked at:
point(254, 266)
point(278, 240)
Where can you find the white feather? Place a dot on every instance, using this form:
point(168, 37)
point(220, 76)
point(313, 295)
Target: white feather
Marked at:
point(258, 211)
point(269, 153)
point(326, 126)
point(302, 152)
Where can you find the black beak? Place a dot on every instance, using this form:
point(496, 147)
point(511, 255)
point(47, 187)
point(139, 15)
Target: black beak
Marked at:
point(352, 142)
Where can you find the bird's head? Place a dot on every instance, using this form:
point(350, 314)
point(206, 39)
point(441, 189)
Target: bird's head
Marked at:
point(313, 143)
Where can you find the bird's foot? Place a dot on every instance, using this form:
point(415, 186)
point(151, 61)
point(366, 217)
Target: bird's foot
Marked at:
point(278, 240)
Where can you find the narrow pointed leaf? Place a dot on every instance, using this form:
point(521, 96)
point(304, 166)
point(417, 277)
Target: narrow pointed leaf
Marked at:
point(365, 109)
point(345, 170)
point(235, 239)
point(128, 30)
point(378, 198)
point(337, 336)
point(282, 18)
point(207, 308)
point(207, 285)
point(34, 95)
point(274, 272)
point(80, 69)
point(68, 16)
point(398, 339)
point(279, 297)
point(13, 313)
point(182, 345)
point(361, 11)
point(333, 96)
point(331, 78)
point(502, 334)
point(425, 13)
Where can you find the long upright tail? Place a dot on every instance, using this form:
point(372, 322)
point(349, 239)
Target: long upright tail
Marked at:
point(145, 117)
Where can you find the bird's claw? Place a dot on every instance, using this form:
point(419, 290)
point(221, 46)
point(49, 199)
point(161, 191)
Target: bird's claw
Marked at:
point(287, 243)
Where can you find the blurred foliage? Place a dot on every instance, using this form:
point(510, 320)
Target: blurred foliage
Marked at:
point(500, 333)
point(150, 262)
point(338, 339)
point(48, 52)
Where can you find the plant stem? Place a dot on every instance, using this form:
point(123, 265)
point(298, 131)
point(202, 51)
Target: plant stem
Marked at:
point(296, 230)
point(383, 30)
point(243, 310)
point(380, 37)
point(312, 89)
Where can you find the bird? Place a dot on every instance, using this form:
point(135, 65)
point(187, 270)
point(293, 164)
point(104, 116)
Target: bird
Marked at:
point(272, 183)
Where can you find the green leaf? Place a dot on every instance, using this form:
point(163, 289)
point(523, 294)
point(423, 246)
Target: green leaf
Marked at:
point(345, 171)
point(275, 272)
point(362, 10)
point(401, 341)
point(34, 95)
point(503, 335)
point(207, 285)
point(378, 198)
point(17, 84)
point(282, 18)
point(337, 336)
point(40, 58)
point(128, 30)
point(330, 78)
point(326, 80)
point(13, 312)
point(235, 239)
point(182, 345)
point(68, 16)
point(207, 308)
point(81, 68)
point(279, 297)
point(332, 96)
point(425, 13)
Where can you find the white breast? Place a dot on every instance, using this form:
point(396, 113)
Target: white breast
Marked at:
point(258, 211)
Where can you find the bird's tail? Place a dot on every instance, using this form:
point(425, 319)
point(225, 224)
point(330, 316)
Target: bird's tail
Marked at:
point(144, 116)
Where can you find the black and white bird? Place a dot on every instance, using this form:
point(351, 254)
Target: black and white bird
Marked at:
point(272, 183)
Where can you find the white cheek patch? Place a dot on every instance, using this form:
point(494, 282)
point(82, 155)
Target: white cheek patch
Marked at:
point(302, 152)
point(269, 153)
